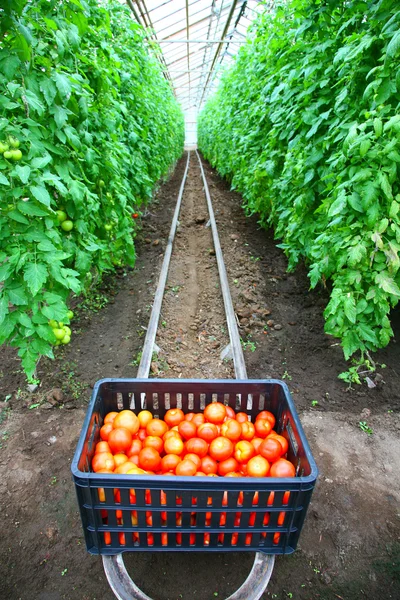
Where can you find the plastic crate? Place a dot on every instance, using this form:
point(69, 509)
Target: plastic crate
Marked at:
point(246, 513)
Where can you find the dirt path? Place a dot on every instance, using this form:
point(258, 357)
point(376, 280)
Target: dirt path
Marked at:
point(349, 548)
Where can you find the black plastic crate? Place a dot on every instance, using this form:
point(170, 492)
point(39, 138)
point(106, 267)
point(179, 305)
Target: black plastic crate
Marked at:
point(149, 513)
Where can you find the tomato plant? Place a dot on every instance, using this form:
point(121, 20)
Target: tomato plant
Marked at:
point(88, 125)
point(306, 126)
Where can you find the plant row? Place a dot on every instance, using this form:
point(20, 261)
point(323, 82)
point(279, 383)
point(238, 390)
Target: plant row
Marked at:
point(306, 125)
point(88, 125)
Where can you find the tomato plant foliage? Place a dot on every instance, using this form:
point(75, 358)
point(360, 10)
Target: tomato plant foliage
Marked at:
point(90, 125)
point(306, 125)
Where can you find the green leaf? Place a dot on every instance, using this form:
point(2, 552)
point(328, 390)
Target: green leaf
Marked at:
point(394, 45)
point(350, 343)
point(3, 308)
point(394, 209)
point(16, 216)
point(63, 84)
point(34, 102)
point(23, 173)
point(46, 246)
point(367, 333)
point(25, 320)
point(41, 161)
point(356, 253)
point(29, 361)
point(41, 194)
point(60, 116)
point(35, 275)
point(55, 311)
point(17, 296)
point(387, 283)
point(349, 306)
point(4, 180)
point(29, 208)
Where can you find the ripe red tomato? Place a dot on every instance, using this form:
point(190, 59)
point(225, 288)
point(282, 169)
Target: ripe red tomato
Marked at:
point(198, 419)
point(105, 431)
point(103, 460)
point(215, 412)
point(231, 429)
point(207, 432)
point(230, 465)
point(109, 418)
point(102, 447)
point(174, 416)
point(283, 441)
point(149, 459)
point(244, 451)
point(186, 467)
point(169, 462)
point(271, 449)
point(256, 442)
point(208, 465)
point(119, 439)
point(241, 417)
point(187, 429)
point(258, 466)
point(128, 420)
point(135, 215)
point(263, 428)
point(266, 414)
point(197, 446)
point(248, 431)
point(174, 445)
point(135, 448)
point(155, 442)
point(156, 427)
point(282, 468)
point(194, 458)
point(221, 448)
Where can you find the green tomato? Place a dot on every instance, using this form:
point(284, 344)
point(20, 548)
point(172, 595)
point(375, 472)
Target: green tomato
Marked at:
point(59, 333)
point(58, 343)
point(109, 195)
point(16, 155)
point(70, 314)
point(67, 330)
point(14, 143)
point(61, 216)
point(53, 324)
point(101, 183)
point(8, 154)
point(108, 227)
point(4, 147)
point(67, 225)
point(66, 339)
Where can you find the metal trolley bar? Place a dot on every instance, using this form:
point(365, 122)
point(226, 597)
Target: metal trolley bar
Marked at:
point(117, 575)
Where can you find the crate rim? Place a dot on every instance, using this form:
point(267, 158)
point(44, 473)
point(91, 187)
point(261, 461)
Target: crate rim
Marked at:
point(186, 483)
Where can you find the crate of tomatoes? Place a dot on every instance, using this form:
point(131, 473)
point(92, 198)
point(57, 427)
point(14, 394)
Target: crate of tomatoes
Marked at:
point(202, 465)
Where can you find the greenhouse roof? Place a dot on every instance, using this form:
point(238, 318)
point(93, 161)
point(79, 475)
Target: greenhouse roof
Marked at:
point(196, 37)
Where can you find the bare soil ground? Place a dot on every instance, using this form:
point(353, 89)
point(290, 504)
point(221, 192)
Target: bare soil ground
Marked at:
point(349, 548)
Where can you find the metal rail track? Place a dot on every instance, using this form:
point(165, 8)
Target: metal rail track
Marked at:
point(118, 578)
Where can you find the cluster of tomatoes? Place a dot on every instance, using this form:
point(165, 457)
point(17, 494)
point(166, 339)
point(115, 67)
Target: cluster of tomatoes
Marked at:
point(216, 442)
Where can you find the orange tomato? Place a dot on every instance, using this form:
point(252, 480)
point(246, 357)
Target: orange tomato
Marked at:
point(230, 413)
point(187, 430)
point(156, 427)
point(125, 467)
point(119, 439)
point(102, 447)
point(228, 466)
point(266, 414)
point(231, 429)
point(241, 417)
point(194, 458)
point(120, 459)
point(103, 460)
point(198, 419)
point(128, 420)
point(149, 459)
point(197, 446)
point(144, 417)
point(221, 448)
point(207, 432)
point(135, 448)
point(256, 442)
point(248, 431)
point(263, 428)
point(174, 445)
point(154, 442)
point(186, 467)
point(174, 416)
point(282, 468)
point(215, 412)
point(171, 433)
point(109, 418)
point(105, 431)
point(189, 416)
point(283, 441)
point(258, 466)
point(208, 465)
point(244, 451)
point(271, 449)
point(169, 462)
